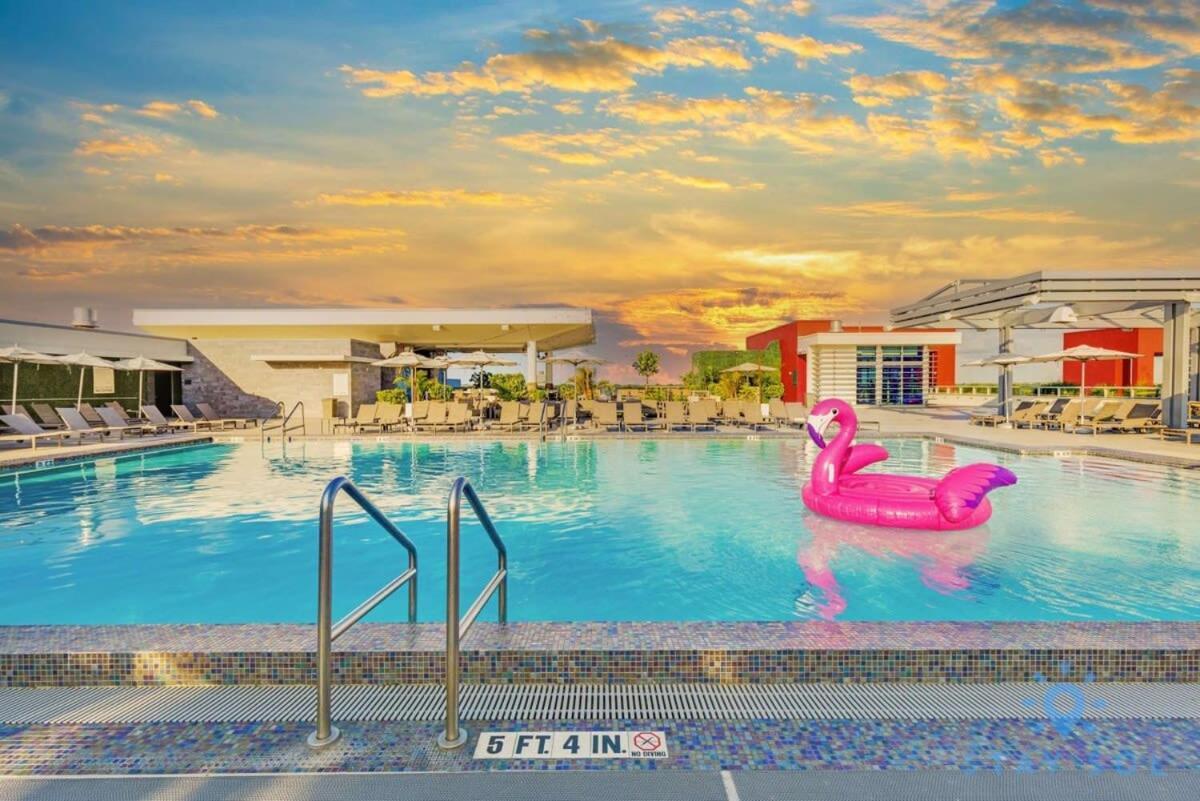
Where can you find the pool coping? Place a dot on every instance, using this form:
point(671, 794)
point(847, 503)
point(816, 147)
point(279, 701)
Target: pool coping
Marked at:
point(608, 653)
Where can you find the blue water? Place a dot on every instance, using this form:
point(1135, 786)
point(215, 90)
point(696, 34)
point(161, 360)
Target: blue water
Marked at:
point(612, 530)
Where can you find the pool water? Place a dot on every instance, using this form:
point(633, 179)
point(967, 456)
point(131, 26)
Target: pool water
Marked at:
point(634, 529)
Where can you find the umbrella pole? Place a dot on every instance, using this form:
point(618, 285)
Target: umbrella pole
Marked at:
point(16, 372)
point(79, 399)
point(141, 383)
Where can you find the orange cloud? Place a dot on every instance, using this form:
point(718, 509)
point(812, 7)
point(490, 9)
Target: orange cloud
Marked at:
point(804, 48)
point(425, 197)
point(119, 147)
point(881, 90)
point(589, 148)
point(917, 211)
point(580, 65)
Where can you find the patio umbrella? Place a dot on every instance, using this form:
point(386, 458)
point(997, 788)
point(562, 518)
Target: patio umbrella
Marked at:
point(84, 360)
point(1084, 354)
point(409, 360)
point(751, 367)
point(576, 360)
point(1001, 360)
point(16, 356)
point(143, 366)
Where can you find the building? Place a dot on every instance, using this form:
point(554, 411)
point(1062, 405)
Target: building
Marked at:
point(869, 365)
point(247, 361)
point(57, 384)
point(1083, 300)
point(1145, 371)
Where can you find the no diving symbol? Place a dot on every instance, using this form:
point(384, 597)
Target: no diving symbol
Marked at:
point(647, 741)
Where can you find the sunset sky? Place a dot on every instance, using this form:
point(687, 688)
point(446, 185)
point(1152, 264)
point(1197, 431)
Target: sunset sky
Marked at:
point(692, 172)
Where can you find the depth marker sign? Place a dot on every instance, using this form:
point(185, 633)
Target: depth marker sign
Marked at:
point(572, 745)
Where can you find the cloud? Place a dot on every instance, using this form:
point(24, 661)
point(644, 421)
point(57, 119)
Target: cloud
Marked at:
point(165, 109)
point(1054, 36)
point(804, 48)
point(425, 197)
point(881, 90)
point(917, 211)
point(119, 147)
point(589, 148)
point(19, 237)
point(799, 121)
point(569, 107)
point(203, 109)
point(578, 64)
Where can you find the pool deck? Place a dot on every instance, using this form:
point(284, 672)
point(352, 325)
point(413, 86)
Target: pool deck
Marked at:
point(941, 423)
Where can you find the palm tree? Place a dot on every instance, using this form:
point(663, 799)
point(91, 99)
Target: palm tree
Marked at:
point(646, 365)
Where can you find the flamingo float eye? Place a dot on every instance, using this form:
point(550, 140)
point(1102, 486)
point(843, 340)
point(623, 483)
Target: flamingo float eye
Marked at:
point(834, 412)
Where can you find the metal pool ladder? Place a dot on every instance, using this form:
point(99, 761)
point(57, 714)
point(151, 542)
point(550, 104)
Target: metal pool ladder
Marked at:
point(454, 735)
point(327, 630)
point(283, 424)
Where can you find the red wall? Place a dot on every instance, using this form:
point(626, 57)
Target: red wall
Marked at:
point(793, 369)
point(1121, 372)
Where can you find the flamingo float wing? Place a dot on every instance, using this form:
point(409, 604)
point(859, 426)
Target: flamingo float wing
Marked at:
point(861, 456)
point(962, 489)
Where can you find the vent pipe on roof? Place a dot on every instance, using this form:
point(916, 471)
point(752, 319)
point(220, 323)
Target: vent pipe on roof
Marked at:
point(835, 326)
point(84, 317)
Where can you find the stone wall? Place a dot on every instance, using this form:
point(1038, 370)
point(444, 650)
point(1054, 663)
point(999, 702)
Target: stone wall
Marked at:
point(224, 375)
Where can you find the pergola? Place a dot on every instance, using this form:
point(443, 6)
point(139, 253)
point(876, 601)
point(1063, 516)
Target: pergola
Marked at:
point(1078, 300)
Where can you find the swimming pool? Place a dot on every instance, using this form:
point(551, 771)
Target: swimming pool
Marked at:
point(620, 529)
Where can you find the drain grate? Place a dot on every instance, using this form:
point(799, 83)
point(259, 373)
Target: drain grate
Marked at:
point(424, 702)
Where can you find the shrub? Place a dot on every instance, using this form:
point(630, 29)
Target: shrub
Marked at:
point(392, 396)
point(509, 386)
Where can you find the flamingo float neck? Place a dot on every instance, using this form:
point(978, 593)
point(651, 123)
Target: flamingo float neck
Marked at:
point(828, 466)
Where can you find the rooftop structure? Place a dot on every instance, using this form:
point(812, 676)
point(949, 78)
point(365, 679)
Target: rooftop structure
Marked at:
point(1079, 300)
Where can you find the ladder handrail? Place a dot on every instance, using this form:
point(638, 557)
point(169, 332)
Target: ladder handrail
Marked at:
point(454, 735)
point(327, 630)
point(283, 424)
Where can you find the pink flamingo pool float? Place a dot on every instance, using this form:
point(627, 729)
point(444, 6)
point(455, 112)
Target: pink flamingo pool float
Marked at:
point(836, 489)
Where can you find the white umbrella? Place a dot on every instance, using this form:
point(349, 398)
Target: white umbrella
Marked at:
point(411, 361)
point(576, 360)
point(16, 355)
point(143, 366)
point(1000, 360)
point(751, 367)
point(84, 360)
point(1084, 354)
point(479, 358)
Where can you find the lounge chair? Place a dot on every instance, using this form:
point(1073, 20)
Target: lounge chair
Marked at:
point(797, 413)
point(76, 423)
point(535, 416)
point(209, 414)
point(1191, 428)
point(604, 415)
point(1051, 414)
point(675, 417)
point(116, 423)
point(702, 412)
point(752, 415)
point(992, 416)
point(1138, 417)
point(89, 413)
point(365, 416)
point(391, 417)
point(1028, 417)
point(156, 417)
point(634, 417)
point(435, 418)
point(28, 431)
point(1106, 414)
point(18, 409)
point(120, 410)
point(510, 415)
point(1078, 413)
point(458, 416)
point(185, 414)
point(570, 415)
point(731, 413)
point(46, 416)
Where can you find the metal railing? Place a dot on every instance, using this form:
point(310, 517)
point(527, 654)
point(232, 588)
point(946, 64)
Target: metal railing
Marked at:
point(327, 630)
point(454, 735)
point(283, 422)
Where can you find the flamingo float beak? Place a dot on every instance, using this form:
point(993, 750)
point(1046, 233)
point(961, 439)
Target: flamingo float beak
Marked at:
point(817, 423)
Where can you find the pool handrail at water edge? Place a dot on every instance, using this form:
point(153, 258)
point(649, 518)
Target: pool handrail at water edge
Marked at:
point(454, 736)
point(327, 630)
point(282, 425)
